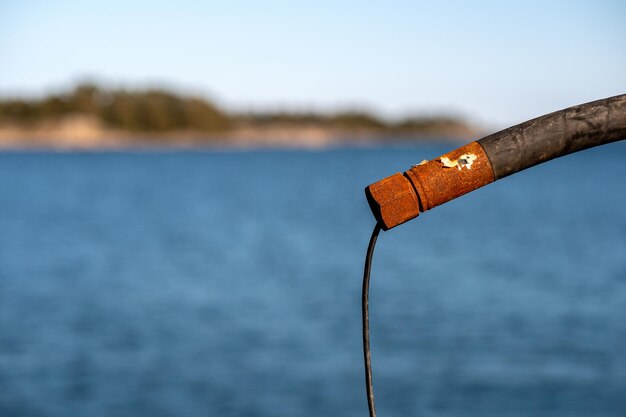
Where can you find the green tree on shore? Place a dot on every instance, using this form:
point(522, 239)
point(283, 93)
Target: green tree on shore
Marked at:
point(134, 111)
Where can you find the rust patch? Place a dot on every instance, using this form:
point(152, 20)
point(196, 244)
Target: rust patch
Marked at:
point(392, 200)
point(436, 183)
point(399, 198)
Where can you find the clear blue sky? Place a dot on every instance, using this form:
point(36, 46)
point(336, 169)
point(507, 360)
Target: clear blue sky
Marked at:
point(496, 62)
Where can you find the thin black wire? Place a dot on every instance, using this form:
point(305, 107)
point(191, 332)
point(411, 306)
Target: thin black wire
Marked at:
point(366, 321)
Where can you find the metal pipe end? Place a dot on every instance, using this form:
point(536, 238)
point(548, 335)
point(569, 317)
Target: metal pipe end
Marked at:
point(392, 200)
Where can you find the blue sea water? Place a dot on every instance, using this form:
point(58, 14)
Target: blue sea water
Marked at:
point(227, 283)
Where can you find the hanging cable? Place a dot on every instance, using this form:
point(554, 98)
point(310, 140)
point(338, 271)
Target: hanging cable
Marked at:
point(366, 325)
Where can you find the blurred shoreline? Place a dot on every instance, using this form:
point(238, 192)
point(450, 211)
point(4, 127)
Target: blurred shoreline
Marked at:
point(92, 117)
point(80, 132)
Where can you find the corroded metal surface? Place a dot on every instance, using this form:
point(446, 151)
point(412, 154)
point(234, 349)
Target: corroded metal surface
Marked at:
point(450, 176)
point(399, 198)
point(392, 200)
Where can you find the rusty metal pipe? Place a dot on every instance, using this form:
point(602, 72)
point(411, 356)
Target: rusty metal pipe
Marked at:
point(402, 196)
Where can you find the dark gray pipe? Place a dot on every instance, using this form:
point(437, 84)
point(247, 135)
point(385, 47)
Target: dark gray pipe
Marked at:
point(556, 134)
point(401, 197)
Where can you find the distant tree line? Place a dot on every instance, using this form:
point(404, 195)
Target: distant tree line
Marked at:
point(353, 120)
point(156, 110)
point(135, 111)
